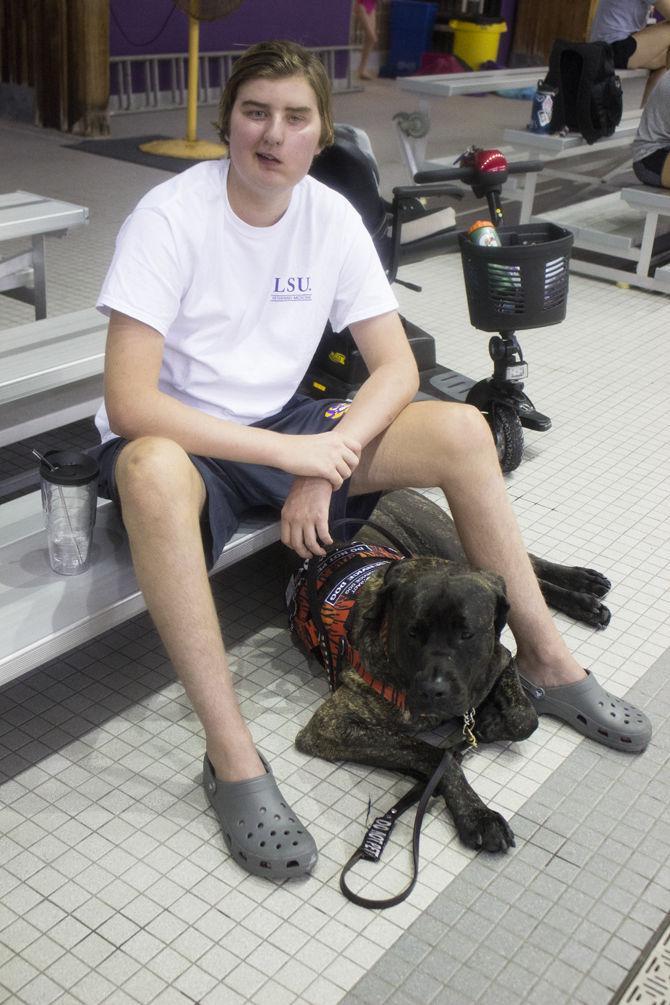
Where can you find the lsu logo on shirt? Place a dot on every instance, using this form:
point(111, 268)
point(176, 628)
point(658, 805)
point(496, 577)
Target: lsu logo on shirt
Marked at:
point(292, 288)
point(337, 410)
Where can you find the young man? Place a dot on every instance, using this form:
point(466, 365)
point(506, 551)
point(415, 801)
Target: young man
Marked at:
point(220, 287)
point(623, 23)
point(651, 146)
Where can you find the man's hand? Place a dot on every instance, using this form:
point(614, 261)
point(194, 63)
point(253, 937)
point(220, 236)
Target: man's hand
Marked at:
point(332, 456)
point(304, 517)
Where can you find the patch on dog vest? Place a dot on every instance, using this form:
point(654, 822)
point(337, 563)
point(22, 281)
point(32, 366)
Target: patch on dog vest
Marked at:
point(340, 576)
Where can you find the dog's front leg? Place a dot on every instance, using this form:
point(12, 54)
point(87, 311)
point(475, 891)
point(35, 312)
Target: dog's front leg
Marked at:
point(478, 826)
point(506, 713)
point(352, 727)
point(359, 726)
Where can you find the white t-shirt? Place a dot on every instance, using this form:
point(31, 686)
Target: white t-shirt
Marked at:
point(241, 308)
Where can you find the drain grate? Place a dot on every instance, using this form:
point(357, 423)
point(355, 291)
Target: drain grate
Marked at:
point(649, 983)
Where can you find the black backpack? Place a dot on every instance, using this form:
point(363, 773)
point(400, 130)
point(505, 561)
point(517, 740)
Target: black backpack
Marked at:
point(589, 99)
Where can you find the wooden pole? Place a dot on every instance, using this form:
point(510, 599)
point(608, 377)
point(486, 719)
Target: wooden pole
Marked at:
point(192, 97)
point(538, 24)
point(88, 67)
point(51, 65)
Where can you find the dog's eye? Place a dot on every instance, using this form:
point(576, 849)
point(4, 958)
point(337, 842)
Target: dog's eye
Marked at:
point(467, 635)
point(411, 632)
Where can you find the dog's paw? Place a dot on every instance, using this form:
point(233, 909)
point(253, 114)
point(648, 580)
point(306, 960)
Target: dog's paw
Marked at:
point(515, 724)
point(589, 610)
point(584, 580)
point(486, 830)
point(491, 727)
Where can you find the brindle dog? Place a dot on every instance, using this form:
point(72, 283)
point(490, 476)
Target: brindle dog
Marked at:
point(430, 627)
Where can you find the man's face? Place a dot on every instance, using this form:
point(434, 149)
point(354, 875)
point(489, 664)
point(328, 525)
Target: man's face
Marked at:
point(274, 135)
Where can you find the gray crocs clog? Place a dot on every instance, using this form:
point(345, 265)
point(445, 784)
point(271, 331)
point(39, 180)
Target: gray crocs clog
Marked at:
point(262, 832)
point(593, 711)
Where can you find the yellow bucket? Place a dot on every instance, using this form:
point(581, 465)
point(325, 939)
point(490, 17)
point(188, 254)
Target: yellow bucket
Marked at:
point(476, 43)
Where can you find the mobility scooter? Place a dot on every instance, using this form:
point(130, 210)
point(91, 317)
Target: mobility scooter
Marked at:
point(520, 284)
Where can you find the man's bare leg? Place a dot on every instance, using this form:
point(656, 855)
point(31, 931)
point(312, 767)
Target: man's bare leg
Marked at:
point(450, 446)
point(162, 496)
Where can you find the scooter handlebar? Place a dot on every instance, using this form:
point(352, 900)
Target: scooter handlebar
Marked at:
point(467, 174)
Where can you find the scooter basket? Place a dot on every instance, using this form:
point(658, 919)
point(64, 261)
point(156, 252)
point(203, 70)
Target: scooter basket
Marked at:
point(521, 284)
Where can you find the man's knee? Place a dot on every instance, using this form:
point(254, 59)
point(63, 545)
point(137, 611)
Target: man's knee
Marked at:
point(153, 470)
point(466, 424)
point(465, 429)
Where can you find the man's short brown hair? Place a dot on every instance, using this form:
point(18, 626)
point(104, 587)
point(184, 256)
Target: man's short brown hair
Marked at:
point(269, 61)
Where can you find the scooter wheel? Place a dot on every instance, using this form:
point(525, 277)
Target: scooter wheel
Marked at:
point(508, 435)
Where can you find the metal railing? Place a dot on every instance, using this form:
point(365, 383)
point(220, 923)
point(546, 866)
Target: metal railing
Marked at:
point(145, 83)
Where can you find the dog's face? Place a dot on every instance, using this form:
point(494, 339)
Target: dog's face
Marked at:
point(440, 625)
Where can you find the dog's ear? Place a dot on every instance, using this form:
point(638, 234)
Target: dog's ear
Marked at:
point(497, 585)
point(374, 616)
point(502, 607)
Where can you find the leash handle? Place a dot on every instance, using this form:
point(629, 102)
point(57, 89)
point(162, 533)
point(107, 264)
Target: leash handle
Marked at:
point(378, 834)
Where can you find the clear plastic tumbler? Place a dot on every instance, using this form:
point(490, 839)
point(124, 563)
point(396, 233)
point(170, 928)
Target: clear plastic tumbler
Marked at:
point(69, 483)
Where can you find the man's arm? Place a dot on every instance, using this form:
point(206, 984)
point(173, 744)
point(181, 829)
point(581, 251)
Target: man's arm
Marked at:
point(393, 380)
point(392, 384)
point(136, 407)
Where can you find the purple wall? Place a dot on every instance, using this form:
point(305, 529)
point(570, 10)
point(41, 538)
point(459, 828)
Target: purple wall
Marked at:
point(507, 12)
point(140, 27)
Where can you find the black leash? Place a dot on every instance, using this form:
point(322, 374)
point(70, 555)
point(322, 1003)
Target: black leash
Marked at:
point(379, 833)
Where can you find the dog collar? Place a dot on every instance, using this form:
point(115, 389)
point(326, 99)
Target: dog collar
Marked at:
point(469, 729)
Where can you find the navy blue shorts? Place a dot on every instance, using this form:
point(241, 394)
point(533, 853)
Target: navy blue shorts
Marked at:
point(234, 488)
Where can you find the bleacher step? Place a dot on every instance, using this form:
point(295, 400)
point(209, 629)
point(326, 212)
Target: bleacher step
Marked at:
point(43, 615)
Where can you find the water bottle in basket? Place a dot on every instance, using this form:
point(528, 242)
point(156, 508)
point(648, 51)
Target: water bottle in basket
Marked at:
point(504, 281)
point(483, 232)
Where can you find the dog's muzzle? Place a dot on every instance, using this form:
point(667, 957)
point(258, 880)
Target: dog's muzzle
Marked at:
point(439, 689)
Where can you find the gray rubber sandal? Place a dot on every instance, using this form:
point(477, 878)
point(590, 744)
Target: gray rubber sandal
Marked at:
point(261, 830)
point(593, 711)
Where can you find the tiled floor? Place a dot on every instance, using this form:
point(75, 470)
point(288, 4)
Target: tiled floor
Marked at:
point(115, 886)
